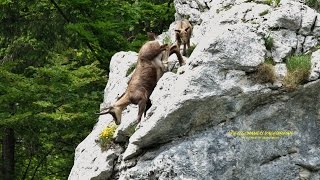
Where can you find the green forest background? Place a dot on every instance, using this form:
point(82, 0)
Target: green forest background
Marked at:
point(54, 62)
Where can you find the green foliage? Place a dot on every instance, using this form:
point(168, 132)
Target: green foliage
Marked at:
point(264, 12)
point(269, 42)
point(122, 25)
point(314, 4)
point(50, 109)
point(299, 62)
point(269, 61)
point(269, 2)
point(273, 2)
point(131, 69)
point(190, 50)
point(277, 2)
point(105, 137)
point(298, 71)
point(167, 40)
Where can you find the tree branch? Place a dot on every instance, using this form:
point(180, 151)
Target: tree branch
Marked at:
point(41, 161)
point(60, 11)
point(69, 21)
point(26, 171)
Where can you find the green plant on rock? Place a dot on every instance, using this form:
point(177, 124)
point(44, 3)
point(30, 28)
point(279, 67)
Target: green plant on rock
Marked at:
point(190, 50)
point(273, 2)
point(269, 2)
point(264, 12)
point(269, 42)
point(269, 61)
point(105, 137)
point(298, 71)
point(277, 2)
point(131, 69)
point(314, 4)
point(167, 40)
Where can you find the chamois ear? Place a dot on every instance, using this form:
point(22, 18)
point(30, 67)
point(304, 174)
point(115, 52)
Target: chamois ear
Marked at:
point(187, 28)
point(177, 30)
point(151, 36)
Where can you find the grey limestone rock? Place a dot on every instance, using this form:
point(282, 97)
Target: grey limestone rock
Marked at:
point(284, 44)
point(315, 66)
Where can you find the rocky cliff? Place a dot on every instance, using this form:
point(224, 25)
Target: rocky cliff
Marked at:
point(213, 119)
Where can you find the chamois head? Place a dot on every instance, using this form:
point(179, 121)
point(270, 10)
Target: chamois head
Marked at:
point(184, 34)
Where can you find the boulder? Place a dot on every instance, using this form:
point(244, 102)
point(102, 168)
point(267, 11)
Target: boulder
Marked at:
point(284, 44)
point(288, 16)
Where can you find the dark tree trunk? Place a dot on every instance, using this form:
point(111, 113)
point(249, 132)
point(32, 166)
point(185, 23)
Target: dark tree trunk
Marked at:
point(8, 144)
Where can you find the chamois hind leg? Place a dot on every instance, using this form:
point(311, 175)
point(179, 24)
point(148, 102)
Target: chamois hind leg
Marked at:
point(140, 97)
point(142, 107)
point(148, 105)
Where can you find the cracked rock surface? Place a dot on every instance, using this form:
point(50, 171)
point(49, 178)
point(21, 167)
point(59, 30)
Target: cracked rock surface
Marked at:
point(212, 120)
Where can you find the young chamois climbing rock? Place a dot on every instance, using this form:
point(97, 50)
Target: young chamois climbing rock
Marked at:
point(144, 79)
point(183, 34)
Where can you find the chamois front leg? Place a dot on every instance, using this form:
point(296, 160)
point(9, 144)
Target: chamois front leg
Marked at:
point(178, 39)
point(119, 106)
point(188, 44)
point(175, 49)
point(184, 49)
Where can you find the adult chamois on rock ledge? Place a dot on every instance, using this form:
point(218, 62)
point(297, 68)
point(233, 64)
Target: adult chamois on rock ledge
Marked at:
point(148, 71)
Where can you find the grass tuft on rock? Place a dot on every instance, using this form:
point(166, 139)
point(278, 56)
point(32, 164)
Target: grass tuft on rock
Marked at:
point(269, 42)
point(298, 71)
point(265, 73)
point(269, 61)
point(275, 3)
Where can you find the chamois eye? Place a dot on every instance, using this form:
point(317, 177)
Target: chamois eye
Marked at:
point(187, 28)
point(177, 30)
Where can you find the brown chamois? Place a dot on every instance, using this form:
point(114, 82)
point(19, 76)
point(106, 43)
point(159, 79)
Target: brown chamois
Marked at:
point(183, 34)
point(143, 81)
